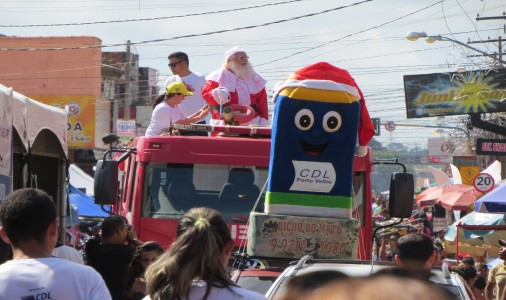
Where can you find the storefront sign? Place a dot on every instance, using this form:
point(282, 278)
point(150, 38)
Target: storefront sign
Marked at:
point(80, 118)
point(491, 147)
point(443, 94)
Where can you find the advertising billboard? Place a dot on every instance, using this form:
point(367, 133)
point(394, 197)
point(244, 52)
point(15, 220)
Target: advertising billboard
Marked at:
point(443, 94)
point(80, 118)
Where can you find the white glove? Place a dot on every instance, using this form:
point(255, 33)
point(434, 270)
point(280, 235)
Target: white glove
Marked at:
point(221, 95)
point(361, 151)
point(263, 122)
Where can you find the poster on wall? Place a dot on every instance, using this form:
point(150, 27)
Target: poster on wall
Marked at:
point(443, 94)
point(126, 131)
point(80, 118)
point(6, 108)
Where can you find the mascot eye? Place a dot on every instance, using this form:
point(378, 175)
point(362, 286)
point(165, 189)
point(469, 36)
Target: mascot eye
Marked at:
point(304, 119)
point(332, 121)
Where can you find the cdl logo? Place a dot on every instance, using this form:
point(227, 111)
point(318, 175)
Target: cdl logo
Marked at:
point(238, 231)
point(41, 296)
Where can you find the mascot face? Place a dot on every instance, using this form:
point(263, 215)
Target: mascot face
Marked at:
point(318, 130)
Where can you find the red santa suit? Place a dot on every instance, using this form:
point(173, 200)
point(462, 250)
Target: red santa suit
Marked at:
point(249, 92)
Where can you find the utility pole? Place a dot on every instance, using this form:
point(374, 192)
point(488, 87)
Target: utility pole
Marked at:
point(466, 132)
point(128, 100)
point(498, 55)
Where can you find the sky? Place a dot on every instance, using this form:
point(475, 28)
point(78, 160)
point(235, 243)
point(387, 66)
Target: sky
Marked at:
point(365, 37)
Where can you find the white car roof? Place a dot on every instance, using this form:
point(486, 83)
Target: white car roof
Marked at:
point(451, 281)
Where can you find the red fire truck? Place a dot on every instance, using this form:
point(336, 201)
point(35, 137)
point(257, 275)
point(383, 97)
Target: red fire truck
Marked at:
point(161, 177)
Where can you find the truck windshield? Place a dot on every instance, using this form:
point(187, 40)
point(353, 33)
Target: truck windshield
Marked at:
point(171, 189)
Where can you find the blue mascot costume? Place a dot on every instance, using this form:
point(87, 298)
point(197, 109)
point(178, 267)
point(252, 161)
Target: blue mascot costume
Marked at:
point(319, 118)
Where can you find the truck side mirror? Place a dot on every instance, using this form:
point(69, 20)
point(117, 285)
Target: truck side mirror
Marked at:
point(106, 182)
point(402, 190)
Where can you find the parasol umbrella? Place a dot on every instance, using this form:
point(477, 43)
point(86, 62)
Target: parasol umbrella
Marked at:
point(460, 199)
point(494, 201)
point(432, 194)
point(478, 229)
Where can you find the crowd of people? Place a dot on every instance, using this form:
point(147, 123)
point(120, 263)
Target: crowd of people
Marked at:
point(484, 283)
point(120, 266)
point(190, 97)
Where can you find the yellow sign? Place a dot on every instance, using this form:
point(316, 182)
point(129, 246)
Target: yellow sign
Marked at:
point(468, 173)
point(80, 117)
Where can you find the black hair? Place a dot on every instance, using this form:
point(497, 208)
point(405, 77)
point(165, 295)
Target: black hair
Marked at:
point(111, 225)
point(310, 281)
point(180, 56)
point(415, 247)
point(135, 269)
point(158, 100)
point(467, 272)
point(26, 214)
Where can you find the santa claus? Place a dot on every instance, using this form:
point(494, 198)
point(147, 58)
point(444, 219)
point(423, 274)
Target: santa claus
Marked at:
point(237, 83)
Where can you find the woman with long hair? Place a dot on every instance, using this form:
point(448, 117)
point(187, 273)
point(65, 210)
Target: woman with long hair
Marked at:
point(145, 255)
point(195, 266)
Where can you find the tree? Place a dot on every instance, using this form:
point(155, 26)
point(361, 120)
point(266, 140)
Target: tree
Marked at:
point(397, 147)
point(376, 145)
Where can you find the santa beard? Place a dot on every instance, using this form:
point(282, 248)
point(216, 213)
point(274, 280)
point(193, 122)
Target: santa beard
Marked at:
point(242, 71)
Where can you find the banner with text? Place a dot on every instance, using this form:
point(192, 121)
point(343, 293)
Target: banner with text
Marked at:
point(491, 147)
point(80, 117)
point(286, 236)
point(443, 94)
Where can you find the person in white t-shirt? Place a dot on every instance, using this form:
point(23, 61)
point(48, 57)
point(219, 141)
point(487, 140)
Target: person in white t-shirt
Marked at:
point(179, 65)
point(29, 223)
point(167, 112)
point(195, 266)
point(68, 253)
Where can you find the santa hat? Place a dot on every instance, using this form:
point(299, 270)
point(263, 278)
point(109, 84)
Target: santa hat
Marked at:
point(233, 51)
point(324, 76)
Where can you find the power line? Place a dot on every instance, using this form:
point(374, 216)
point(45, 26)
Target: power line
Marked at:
point(192, 35)
point(151, 19)
point(352, 34)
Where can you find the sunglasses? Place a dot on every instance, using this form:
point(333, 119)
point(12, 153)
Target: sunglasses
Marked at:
point(174, 64)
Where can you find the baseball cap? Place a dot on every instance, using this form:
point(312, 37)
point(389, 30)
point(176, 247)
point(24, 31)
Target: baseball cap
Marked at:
point(177, 88)
point(502, 242)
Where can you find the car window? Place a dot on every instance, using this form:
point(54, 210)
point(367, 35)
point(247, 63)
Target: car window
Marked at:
point(452, 289)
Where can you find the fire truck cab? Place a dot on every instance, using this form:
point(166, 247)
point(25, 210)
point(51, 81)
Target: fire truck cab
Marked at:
point(161, 177)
